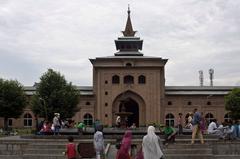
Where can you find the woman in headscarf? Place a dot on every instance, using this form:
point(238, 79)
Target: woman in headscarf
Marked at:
point(123, 152)
point(99, 142)
point(151, 145)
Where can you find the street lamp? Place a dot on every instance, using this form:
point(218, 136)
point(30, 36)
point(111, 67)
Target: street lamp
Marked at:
point(44, 106)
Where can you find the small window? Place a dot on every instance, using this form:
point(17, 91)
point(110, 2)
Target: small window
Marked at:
point(10, 122)
point(169, 103)
point(189, 103)
point(27, 120)
point(88, 119)
point(106, 82)
point(115, 79)
point(169, 119)
point(106, 93)
point(128, 64)
point(209, 103)
point(141, 79)
point(106, 115)
point(88, 103)
point(128, 79)
point(106, 104)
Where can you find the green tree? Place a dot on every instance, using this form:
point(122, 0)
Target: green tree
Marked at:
point(12, 100)
point(232, 103)
point(54, 95)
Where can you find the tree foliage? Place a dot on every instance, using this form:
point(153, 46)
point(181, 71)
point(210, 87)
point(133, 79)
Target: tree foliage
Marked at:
point(12, 99)
point(55, 95)
point(232, 103)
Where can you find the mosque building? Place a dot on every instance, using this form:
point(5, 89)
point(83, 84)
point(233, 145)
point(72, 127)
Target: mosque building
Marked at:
point(131, 82)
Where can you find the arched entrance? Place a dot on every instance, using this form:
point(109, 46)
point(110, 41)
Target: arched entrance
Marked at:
point(131, 106)
point(133, 103)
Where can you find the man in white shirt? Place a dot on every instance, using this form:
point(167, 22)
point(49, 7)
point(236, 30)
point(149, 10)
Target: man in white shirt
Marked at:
point(213, 129)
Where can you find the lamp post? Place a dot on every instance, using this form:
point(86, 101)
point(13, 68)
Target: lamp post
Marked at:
point(44, 106)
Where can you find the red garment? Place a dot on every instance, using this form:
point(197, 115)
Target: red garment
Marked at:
point(123, 152)
point(71, 150)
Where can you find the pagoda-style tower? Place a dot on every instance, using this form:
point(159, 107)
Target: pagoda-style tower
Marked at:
point(129, 44)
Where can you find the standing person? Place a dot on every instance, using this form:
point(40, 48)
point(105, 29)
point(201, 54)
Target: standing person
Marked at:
point(71, 152)
point(151, 145)
point(180, 124)
point(124, 151)
point(95, 124)
point(196, 126)
point(56, 123)
point(99, 142)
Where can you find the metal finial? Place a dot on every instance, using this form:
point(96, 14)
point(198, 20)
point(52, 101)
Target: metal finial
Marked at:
point(129, 9)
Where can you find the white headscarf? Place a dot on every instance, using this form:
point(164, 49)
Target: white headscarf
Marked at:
point(150, 145)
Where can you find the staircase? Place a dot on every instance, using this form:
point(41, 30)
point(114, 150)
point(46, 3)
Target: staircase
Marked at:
point(181, 149)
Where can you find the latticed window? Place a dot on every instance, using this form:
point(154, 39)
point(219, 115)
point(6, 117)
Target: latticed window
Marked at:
point(209, 117)
point(88, 119)
point(27, 120)
point(128, 79)
point(169, 119)
point(115, 79)
point(227, 117)
point(141, 79)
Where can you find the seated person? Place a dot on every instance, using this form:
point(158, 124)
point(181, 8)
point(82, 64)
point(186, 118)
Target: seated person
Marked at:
point(213, 129)
point(169, 134)
point(133, 126)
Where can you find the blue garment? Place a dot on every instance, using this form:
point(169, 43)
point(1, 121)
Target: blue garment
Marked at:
point(196, 118)
point(235, 130)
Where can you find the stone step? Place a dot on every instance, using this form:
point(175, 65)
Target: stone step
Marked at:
point(10, 157)
point(188, 151)
point(44, 151)
point(226, 156)
point(190, 156)
point(46, 146)
point(186, 146)
point(45, 156)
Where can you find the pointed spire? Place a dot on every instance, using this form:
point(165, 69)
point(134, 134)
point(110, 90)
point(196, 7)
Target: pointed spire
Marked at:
point(128, 29)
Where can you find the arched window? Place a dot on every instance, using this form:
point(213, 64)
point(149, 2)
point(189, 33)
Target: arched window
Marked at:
point(209, 117)
point(169, 103)
point(128, 79)
point(189, 103)
point(27, 120)
point(169, 119)
point(141, 79)
point(115, 79)
point(88, 119)
point(227, 117)
point(209, 103)
point(128, 64)
point(88, 103)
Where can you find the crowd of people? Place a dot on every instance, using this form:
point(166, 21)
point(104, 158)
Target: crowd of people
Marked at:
point(46, 127)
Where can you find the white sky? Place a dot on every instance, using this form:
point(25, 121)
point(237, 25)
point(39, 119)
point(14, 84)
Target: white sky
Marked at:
point(63, 34)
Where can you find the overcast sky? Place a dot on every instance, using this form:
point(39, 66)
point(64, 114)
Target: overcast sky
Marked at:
point(63, 34)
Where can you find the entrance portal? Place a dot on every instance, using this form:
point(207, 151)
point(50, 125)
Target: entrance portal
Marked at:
point(131, 106)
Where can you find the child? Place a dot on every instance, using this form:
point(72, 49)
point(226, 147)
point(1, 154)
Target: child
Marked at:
point(71, 149)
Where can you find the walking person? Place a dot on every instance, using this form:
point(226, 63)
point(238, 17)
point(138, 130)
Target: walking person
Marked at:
point(151, 145)
point(71, 152)
point(196, 127)
point(99, 142)
point(125, 148)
